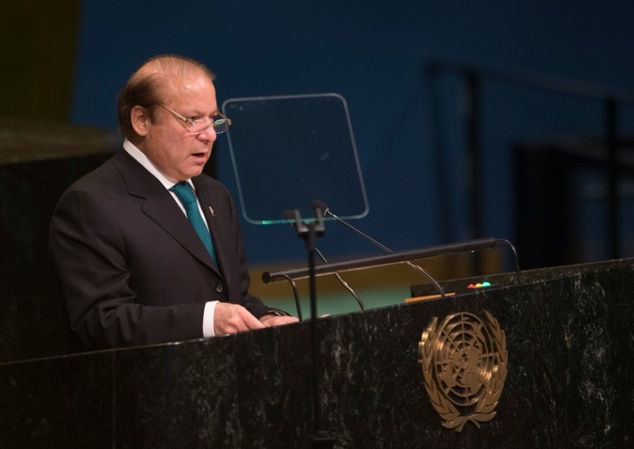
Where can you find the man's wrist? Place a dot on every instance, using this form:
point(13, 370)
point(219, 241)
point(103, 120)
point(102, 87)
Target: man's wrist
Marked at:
point(209, 315)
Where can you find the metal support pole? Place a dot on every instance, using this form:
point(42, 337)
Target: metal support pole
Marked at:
point(612, 145)
point(474, 162)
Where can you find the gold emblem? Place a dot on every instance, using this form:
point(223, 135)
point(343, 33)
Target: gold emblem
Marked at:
point(464, 367)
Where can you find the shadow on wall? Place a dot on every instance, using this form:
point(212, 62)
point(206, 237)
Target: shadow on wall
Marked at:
point(37, 163)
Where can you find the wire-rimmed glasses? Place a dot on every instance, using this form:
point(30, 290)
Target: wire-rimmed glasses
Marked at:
point(198, 126)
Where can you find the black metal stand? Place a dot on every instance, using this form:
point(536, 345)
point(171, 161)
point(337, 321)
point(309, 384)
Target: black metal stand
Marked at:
point(321, 439)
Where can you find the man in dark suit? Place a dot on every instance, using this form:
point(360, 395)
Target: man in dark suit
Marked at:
point(132, 268)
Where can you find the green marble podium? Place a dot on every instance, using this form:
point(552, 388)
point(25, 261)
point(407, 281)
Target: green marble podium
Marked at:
point(569, 380)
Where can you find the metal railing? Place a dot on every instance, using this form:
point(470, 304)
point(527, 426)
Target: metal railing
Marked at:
point(472, 79)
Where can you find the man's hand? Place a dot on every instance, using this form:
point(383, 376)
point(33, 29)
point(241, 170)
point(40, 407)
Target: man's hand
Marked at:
point(230, 318)
point(274, 320)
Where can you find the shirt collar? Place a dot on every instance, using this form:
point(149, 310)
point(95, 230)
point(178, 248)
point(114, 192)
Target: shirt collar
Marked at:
point(142, 159)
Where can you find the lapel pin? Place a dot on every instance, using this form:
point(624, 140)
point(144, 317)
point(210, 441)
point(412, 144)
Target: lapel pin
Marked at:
point(213, 212)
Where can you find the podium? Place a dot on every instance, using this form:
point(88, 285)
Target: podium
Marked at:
point(568, 358)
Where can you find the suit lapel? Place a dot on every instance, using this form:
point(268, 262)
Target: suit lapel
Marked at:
point(160, 206)
point(167, 214)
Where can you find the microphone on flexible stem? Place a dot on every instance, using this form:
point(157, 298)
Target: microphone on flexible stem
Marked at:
point(290, 216)
point(320, 205)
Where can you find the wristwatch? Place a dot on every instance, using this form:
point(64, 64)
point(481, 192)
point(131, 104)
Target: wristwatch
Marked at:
point(276, 312)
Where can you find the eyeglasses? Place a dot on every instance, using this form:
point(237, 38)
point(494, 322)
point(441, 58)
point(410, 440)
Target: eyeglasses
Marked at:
point(199, 126)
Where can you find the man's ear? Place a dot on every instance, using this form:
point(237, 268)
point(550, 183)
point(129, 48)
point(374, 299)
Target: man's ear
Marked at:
point(140, 119)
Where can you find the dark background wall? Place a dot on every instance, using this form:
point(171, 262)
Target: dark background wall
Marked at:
point(37, 59)
point(374, 54)
point(66, 62)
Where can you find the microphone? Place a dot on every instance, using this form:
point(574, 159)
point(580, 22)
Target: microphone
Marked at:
point(321, 206)
point(294, 216)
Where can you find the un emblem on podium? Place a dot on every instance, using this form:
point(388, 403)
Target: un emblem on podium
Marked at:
point(464, 362)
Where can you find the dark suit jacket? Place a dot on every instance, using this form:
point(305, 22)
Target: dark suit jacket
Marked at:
point(131, 267)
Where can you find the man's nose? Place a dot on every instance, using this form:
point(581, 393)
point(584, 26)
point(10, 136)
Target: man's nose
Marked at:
point(209, 133)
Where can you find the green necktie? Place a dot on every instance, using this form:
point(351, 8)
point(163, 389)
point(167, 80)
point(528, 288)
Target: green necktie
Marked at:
point(187, 197)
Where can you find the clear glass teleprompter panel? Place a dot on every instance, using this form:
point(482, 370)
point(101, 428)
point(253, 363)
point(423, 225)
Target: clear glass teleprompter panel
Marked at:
point(288, 151)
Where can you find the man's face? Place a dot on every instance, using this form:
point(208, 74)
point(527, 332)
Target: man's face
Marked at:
point(167, 143)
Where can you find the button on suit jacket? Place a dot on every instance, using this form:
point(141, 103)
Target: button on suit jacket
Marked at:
point(132, 269)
